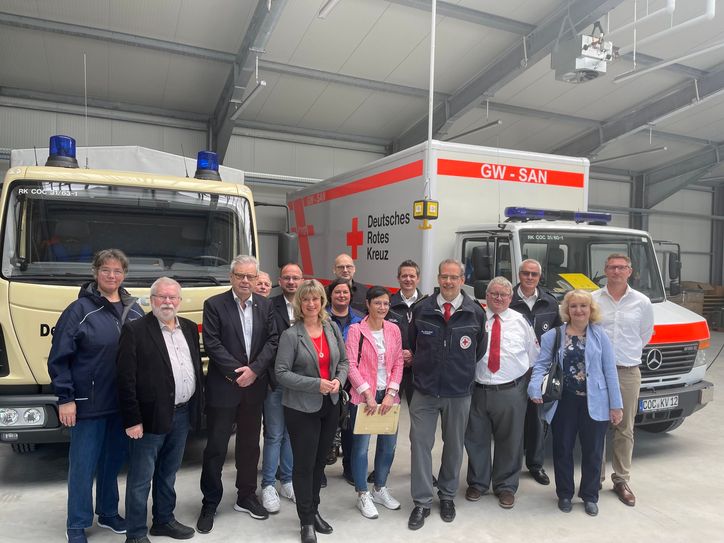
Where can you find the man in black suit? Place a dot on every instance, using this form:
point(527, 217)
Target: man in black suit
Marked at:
point(240, 338)
point(277, 447)
point(159, 381)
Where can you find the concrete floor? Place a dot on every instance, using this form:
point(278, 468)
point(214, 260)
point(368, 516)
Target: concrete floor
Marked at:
point(678, 480)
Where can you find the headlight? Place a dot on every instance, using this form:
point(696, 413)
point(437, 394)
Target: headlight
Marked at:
point(700, 359)
point(33, 416)
point(8, 416)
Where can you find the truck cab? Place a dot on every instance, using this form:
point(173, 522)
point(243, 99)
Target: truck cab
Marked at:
point(573, 255)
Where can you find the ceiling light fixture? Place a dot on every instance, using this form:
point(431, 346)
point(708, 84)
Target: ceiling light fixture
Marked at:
point(635, 73)
point(628, 155)
point(327, 8)
point(245, 102)
point(488, 125)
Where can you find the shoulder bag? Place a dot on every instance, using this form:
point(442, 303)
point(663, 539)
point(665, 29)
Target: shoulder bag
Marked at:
point(552, 387)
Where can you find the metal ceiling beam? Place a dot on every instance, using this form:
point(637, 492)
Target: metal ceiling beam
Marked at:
point(644, 114)
point(78, 31)
point(358, 82)
point(445, 9)
point(681, 69)
point(383, 144)
point(265, 17)
point(573, 17)
point(105, 109)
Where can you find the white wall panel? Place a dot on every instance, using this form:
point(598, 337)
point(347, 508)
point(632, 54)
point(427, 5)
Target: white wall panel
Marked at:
point(604, 193)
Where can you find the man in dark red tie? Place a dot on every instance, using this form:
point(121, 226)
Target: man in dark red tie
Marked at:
point(497, 412)
point(447, 338)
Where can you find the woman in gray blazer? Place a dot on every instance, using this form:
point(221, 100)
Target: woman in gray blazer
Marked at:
point(312, 366)
point(591, 397)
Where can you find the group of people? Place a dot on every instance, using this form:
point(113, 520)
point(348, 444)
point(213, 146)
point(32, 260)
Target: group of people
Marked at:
point(130, 387)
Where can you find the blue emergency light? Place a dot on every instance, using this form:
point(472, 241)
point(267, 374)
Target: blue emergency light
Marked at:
point(207, 166)
point(61, 152)
point(528, 214)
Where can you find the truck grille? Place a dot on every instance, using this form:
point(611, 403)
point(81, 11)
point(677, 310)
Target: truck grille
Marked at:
point(674, 358)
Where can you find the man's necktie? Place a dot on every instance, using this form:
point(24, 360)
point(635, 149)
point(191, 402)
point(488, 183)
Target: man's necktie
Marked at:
point(494, 354)
point(447, 306)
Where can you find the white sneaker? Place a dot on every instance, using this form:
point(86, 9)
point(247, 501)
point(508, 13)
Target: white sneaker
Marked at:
point(365, 505)
point(287, 491)
point(383, 497)
point(270, 499)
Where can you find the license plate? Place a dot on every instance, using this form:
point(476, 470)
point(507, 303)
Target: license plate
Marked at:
point(658, 404)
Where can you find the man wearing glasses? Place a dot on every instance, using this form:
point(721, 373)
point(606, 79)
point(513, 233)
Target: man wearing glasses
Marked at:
point(277, 447)
point(344, 268)
point(540, 308)
point(628, 319)
point(159, 384)
point(497, 412)
point(447, 338)
point(240, 338)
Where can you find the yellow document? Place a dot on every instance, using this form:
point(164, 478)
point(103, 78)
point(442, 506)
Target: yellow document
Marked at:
point(578, 280)
point(376, 423)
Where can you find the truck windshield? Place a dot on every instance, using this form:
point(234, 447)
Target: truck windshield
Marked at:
point(566, 255)
point(53, 230)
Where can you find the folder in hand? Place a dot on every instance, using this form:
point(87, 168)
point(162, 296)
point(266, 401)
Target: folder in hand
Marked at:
point(376, 423)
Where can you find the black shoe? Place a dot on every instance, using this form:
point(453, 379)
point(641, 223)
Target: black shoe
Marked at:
point(173, 529)
point(205, 523)
point(417, 517)
point(447, 510)
point(143, 539)
point(591, 508)
point(323, 483)
point(371, 477)
point(348, 477)
point(565, 505)
point(308, 534)
point(331, 456)
point(540, 476)
point(250, 504)
point(321, 525)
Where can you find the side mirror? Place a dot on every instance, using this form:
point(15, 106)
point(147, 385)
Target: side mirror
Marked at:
point(480, 288)
point(674, 266)
point(287, 248)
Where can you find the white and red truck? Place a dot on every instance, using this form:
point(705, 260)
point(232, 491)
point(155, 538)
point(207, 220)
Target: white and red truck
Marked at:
point(498, 207)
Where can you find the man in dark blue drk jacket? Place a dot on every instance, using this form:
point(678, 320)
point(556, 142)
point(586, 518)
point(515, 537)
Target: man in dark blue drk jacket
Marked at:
point(447, 338)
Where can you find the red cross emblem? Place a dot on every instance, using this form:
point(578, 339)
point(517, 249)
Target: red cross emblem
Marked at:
point(465, 342)
point(355, 238)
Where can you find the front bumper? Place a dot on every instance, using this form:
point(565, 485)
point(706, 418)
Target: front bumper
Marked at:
point(691, 398)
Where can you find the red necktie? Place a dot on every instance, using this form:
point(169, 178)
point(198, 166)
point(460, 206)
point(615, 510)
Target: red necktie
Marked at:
point(494, 354)
point(447, 306)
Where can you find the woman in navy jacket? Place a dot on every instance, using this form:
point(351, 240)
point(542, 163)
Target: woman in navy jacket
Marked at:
point(82, 368)
point(591, 397)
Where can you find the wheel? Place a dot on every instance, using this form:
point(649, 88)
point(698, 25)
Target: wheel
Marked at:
point(661, 427)
point(23, 448)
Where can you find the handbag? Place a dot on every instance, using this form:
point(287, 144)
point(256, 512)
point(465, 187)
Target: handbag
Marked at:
point(552, 386)
point(344, 394)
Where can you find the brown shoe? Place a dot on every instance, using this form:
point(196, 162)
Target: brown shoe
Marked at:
point(472, 494)
point(506, 499)
point(624, 493)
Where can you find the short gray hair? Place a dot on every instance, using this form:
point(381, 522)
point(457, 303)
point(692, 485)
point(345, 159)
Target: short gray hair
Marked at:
point(165, 281)
point(530, 261)
point(242, 260)
point(452, 261)
point(501, 281)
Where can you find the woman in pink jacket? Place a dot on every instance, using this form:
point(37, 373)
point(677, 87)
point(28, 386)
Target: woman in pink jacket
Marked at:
point(374, 349)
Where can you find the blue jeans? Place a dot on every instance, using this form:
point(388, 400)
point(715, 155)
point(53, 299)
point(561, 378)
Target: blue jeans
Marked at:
point(157, 458)
point(277, 448)
point(98, 448)
point(384, 453)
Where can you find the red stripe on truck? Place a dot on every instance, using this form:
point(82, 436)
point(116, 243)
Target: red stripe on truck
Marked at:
point(507, 172)
point(680, 333)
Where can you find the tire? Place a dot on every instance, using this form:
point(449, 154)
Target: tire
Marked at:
point(23, 448)
point(661, 427)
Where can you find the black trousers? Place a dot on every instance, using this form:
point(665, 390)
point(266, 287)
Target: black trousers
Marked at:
point(311, 436)
point(407, 387)
point(534, 437)
point(219, 423)
point(572, 419)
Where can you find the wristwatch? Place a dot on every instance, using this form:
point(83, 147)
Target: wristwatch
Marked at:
point(392, 392)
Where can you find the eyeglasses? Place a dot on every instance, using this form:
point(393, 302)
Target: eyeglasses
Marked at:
point(291, 278)
point(618, 268)
point(244, 276)
point(529, 274)
point(498, 295)
point(446, 277)
point(109, 272)
point(172, 299)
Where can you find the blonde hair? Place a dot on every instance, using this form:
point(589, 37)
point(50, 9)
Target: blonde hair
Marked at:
point(580, 294)
point(314, 288)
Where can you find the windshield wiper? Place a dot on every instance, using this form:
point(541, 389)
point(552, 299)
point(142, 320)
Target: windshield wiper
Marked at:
point(196, 279)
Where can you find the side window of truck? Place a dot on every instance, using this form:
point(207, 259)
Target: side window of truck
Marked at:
point(485, 258)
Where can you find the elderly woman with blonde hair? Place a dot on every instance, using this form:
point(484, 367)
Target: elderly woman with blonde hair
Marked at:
point(312, 366)
point(590, 399)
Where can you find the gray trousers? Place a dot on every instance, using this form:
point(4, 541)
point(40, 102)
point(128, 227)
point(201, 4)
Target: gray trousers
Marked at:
point(424, 412)
point(496, 415)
